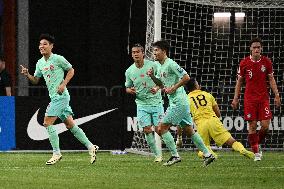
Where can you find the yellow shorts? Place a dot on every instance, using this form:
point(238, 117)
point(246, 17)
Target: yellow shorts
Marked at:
point(212, 128)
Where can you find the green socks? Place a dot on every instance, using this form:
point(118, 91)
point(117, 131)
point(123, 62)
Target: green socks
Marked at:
point(170, 143)
point(53, 139)
point(150, 138)
point(197, 140)
point(81, 136)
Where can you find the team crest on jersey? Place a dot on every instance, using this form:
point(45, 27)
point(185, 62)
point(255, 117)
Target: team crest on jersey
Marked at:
point(248, 115)
point(263, 68)
point(51, 67)
point(142, 75)
point(179, 69)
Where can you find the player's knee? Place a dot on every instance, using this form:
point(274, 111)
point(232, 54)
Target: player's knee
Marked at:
point(265, 126)
point(46, 124)
point(189, 131)
point(68, 126)
point(230, 141)
point(147, 130)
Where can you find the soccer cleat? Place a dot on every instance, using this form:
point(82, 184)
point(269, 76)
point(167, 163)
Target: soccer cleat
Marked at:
point(247, 154)
point(179, 143)
point(201, 155)
point(257, 157)
point(158, 159)
point(93, 152)
point(54, 159)
point(208, 160)
point(172, 160)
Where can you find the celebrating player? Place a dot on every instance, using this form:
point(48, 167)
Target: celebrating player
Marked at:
point(205, 112)
point(51, 67)
point(255, 70)
point(148, 96)
point(171, 78)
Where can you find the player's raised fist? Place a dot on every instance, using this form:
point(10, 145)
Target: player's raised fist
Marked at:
point(150, 72)
point(24, 70)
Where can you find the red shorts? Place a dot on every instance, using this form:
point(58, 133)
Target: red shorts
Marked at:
point(257, 111)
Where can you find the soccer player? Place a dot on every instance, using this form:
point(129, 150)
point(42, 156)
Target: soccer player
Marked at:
point(52, 67)
point(5, 81)
point(255, 70)
point(171, 78)
point(205, 112)
point(148, 97)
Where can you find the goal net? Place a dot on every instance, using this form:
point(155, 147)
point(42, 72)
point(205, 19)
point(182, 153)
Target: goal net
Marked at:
point(208, 38)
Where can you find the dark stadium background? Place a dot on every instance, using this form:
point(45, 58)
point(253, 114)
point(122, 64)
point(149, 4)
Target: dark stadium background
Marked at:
point(92, 34)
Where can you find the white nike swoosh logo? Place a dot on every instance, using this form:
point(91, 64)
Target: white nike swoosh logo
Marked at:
point(37, 131)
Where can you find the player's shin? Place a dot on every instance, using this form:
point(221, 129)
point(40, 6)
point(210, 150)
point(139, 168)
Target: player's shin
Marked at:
point(261, 134)
point(150, 138)
point(170, 143)
point(53, 139)
point(81, 136)
point(197, 140)
point(253, 140)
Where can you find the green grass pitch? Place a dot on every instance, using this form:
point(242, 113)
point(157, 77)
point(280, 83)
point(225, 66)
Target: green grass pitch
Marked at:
point(229, 171)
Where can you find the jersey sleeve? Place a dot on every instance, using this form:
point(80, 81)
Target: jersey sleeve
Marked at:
point(179, 71)
point(241, 70)
point(269, 67)
point(38, 72)
point(64, 64)
point(128, 81)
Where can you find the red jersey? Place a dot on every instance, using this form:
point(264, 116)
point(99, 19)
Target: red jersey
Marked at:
point(255, 74)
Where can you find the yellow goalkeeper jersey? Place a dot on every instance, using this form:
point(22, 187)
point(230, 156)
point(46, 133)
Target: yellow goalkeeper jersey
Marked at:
point(201, 105)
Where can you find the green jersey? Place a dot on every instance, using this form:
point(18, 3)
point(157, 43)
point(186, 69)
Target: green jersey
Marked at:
point(52, 71)
point(138, 78)
point(171, 73)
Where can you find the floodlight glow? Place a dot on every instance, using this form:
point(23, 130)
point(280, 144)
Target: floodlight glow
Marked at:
point(240, 14)
point(222, 14)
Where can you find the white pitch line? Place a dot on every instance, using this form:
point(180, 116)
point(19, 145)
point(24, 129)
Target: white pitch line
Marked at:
point(270, 167)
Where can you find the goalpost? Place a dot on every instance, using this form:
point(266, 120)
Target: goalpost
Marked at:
point(208, 38)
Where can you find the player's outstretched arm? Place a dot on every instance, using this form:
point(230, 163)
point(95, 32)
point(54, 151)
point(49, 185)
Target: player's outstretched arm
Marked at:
point(238, 86)
point(25, 72)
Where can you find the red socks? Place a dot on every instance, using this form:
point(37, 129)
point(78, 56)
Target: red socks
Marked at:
point(261, 135)
point(253, 140)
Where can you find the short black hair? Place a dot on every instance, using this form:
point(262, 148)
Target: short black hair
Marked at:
point(191, 84)
point(162, 44)
point(47, 37)
point(255, 40)
point(139, 46)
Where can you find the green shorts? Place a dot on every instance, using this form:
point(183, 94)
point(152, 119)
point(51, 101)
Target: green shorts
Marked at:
point(59, 108)
point(149, 115)
point(178, 114)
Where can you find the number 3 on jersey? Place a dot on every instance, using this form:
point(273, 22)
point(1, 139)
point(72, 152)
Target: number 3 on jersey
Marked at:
point(199, 100)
